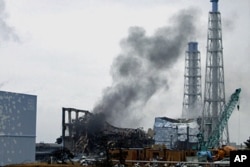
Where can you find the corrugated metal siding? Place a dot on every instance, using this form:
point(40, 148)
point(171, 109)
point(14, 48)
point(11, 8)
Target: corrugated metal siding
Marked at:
point(168, 132)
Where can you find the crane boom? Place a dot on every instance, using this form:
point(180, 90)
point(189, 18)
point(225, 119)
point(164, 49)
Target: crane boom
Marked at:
point(223, 119)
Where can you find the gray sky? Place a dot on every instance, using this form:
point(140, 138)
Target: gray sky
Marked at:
point(62, 51)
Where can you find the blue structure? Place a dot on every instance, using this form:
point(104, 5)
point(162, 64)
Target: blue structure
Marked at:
point(176, 134)
point(17, 128)
point(214, 5)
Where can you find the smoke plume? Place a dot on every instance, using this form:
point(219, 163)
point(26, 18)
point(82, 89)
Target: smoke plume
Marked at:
point(6, 32)
point(140, 70)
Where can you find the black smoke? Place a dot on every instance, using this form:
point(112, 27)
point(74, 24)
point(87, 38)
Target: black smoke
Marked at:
point(140, 70)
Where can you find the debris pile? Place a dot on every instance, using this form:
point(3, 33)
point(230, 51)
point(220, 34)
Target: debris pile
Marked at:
point(90, 134)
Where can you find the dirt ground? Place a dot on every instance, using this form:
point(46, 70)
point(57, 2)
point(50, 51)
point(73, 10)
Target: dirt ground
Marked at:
point(43, 165)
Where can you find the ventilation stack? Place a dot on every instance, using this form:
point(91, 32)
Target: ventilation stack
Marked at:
point(214, 93)
point(192, 99)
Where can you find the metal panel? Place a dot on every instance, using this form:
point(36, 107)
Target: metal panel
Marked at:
point(169, 132)
point(17, 128)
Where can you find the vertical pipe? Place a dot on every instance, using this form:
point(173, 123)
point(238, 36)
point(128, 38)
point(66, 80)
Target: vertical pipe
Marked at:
point(187, 142)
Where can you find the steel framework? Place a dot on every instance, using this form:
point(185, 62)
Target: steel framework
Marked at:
point(214, 93)
point(192, 99)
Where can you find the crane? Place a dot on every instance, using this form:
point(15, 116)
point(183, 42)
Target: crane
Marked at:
point(213, 140)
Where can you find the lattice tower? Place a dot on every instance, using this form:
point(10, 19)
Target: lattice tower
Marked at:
point(192, 99)
point(214, 93)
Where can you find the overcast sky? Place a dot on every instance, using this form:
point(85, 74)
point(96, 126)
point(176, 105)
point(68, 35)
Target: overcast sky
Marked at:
point(62, 51)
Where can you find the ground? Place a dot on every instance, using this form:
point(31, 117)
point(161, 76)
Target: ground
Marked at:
point(42, 165)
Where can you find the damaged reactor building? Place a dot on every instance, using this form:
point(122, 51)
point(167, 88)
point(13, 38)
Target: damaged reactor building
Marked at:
point(85, 132)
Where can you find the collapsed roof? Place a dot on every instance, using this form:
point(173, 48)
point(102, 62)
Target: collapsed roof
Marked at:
point(89, 133)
